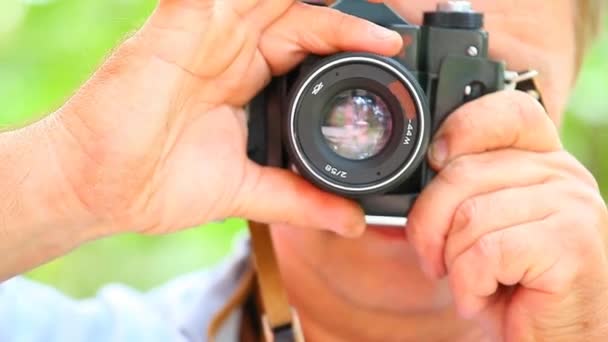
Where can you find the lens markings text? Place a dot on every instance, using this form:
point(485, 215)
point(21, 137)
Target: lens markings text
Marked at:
point(335, 172)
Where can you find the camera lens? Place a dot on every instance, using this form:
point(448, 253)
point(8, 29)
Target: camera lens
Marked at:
point(357, 125)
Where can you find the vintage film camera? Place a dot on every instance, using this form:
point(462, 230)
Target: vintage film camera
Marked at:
point(359, 124)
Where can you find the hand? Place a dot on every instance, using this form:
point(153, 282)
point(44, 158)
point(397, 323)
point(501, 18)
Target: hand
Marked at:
point(515, 223)
point(159, 133)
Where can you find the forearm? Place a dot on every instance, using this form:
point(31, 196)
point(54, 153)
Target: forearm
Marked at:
point(60, 188)
point(40, 218)
point(68, 178)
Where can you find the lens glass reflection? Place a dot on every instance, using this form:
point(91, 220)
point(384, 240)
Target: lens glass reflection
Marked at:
point(357, 124)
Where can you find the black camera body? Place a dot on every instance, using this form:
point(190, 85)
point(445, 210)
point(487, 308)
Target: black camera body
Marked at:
point(358, 124)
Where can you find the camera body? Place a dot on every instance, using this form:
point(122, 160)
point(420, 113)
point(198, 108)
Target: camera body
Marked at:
point(358, 124)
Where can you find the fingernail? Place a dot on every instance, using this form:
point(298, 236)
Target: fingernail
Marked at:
point(439, 151)
point(383, 33)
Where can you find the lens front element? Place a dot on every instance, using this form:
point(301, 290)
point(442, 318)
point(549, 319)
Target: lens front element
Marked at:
point(357, 124)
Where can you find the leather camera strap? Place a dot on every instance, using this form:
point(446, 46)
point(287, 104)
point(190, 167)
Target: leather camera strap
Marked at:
point(279, 321)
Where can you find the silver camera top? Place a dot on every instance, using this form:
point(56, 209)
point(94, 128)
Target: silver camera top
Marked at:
point(455, 6)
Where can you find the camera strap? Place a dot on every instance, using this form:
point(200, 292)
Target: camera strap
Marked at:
point(279, 320)
point(524, 81)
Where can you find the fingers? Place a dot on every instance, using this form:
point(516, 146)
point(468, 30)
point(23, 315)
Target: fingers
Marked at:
point(510, 123)
point(431, 216)
point(504, 218)
point(490, 212)
point(550, 256)
point(515, 255)
point(271, 195)
point(322, 30)
point(508, 119)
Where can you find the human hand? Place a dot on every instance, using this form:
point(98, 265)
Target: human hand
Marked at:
point(159, 133)
point(515, 223)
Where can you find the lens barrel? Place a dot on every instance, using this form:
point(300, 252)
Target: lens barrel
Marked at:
point(357, 124)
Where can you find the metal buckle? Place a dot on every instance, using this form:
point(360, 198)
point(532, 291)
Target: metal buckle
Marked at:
point(286, 333)
point(513, 79)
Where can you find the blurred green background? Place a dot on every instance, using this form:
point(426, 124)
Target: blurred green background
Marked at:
point(49, 47)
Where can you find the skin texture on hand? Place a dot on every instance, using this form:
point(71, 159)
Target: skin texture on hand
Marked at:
point(40, 218)
point(519, 227)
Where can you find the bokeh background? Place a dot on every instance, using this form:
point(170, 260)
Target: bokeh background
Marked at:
point(49, 47)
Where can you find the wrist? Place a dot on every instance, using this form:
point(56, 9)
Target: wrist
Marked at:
point(581, 315)
point(40, 218)
point(63, 157)
point(107, 130)
point(596, 325)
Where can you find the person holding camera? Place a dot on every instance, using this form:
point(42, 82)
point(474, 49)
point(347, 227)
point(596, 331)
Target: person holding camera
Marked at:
point(507, 241)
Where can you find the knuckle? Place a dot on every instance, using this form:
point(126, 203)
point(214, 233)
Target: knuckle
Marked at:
point(567, 171)
point(428, 246)
point(582, 242)
point(584, 251)
point(413, 227)
point(587, 176)
point(343, 23)
point(577, 169)
point(471, 275)
point(530, 114)
point(423, 240)
point(525, 107)
point(459, 275)
point(502, 248)
point(509, 251)
point(458, 171)
point(583, 206)
point(466, 213)
point(589, 200)
point(326, 20)
point(462, 120)
point(503, 253)
point(486, 246)
point(592, 224)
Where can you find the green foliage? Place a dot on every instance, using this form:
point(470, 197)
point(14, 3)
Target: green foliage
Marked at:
point(50, 47)
point(585, 128)
point(140, 261)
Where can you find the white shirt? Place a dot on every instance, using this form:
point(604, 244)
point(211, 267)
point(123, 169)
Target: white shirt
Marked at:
point(179, 311)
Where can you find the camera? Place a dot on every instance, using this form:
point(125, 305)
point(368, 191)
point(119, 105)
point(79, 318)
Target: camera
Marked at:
point(359, 124)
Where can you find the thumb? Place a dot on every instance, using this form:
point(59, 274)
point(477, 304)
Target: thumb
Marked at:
point(272, 195)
